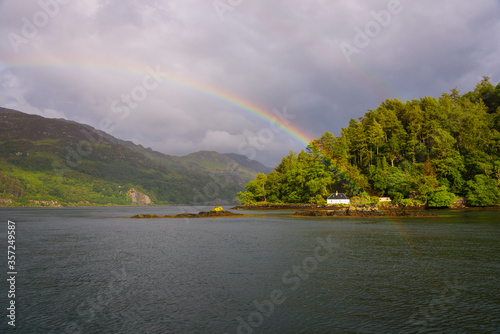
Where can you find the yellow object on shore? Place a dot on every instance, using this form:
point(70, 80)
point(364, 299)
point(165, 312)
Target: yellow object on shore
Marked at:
point(219, 208)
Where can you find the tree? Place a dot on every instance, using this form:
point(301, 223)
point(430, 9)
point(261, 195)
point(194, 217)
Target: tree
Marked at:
point(10, 186)
point(374, 133)
point(396, 197)
point(398, 181)
point(486, 92)
point(257, 187)
point(482, 191)
point(245, 197)
point(435, 148)
point(332, 147)
point(378, 180)
point(357, 143)
point(441, 198)
point(273, 187)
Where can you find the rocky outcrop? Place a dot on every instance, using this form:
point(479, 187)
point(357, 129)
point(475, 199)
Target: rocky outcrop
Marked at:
point(391, 207)
point(46, 203)
point(80, 203)
point(270, 206)
point(139, 198)
point(5, 201)
point(361, 211)
point(460, 203)
point(214, 213)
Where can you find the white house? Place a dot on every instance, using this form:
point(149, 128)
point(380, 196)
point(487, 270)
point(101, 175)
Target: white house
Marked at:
point(338, 199)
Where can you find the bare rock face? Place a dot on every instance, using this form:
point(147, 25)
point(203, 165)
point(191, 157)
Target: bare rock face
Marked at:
point(139, 198)
point(459, 204)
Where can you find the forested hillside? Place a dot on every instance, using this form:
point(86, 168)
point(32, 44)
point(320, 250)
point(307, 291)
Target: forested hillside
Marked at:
point(67, 163)
point(432, 150)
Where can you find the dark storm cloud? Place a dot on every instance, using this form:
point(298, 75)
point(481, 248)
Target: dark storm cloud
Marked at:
point(280, 54)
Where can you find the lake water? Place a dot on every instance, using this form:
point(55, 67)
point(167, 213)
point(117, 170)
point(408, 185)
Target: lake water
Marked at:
point(86, 270)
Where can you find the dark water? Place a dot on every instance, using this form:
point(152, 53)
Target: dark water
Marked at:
point(86, 270)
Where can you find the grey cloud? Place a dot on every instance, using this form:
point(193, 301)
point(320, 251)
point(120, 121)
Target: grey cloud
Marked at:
point(272, 54)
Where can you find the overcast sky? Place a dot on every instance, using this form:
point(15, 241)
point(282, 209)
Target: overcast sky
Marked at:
point(160, 72)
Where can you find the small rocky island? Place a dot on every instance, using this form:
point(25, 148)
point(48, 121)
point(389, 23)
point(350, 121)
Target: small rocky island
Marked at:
point(361, 211)
point(356, 210)
point(214, 213)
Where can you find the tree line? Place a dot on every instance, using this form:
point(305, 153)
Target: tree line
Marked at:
point(430, 150)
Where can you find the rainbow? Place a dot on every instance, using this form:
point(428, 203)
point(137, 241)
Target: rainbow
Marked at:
point(302, 35)
point(198, 86)
point(214, 92)
point(217, 93)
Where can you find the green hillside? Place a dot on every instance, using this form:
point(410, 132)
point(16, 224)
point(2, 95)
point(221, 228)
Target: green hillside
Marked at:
point(428, 151)
point(57, 160)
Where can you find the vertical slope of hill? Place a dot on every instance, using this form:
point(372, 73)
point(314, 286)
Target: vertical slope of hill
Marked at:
point(45, 159)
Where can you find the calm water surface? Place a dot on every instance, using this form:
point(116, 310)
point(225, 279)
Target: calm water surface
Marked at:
point(86, 270)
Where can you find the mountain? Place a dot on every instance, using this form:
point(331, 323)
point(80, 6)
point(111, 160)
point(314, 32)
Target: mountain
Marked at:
point(43, 160)
point(248, 163)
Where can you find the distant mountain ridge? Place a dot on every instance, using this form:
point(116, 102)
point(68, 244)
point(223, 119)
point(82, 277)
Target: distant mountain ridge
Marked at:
point(68, 162)
point(248, 163)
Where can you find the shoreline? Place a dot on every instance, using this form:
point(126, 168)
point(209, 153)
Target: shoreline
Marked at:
point(334, 207)
point(263, 207)
point(362, 214)
point(101, 206)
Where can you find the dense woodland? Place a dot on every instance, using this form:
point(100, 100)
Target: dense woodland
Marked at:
point(431, 151)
